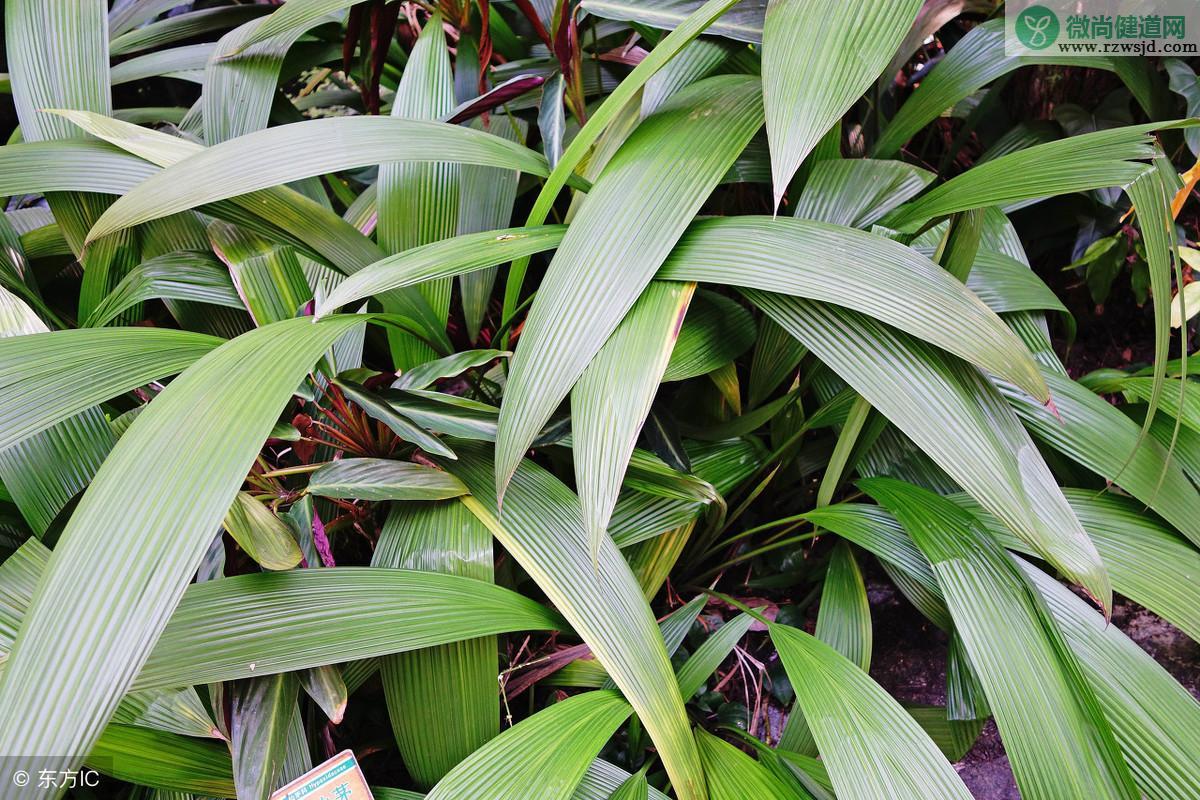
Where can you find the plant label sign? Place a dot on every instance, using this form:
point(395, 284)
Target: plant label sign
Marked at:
point(339, 778)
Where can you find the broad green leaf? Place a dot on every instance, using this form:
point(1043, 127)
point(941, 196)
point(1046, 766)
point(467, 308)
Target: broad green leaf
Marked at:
point(619, 104)
point(844, 616)
point(1078, 163)
point(261, 712)
point(383, 479)
point(58, 58)
point(670, 163)
point(1007, 285)
point(743, 21)
point(1053, 729)
point(267, 276)
point(1092, 432)
point(462, 254)
point(263, 159)
point(715, 331)
point(48, 377)
point(485, 203)
point(605, 421)
point(182, 26)
point(819, 56)
point(543, 529)
point(398, 423)
point(182, 275)
point(552, 119)
point(423, 376)
point(733, 775)
point(169, 513)
point(834, 191)
point(822, 262)
point(871, 746)
point(434, 737)
point(293, 16)
point(1156, 721)
point(163, 760)
point(325, 686)
point(261, 624)
point(261, 533)
point(547, 753)
point(602, 779)
point(43, 470)
point(418, 202)
point(1148, 562)
point(968, 430)
point(976, 60)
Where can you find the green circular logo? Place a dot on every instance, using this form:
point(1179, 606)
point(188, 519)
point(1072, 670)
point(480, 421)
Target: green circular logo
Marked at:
point(1037, 27)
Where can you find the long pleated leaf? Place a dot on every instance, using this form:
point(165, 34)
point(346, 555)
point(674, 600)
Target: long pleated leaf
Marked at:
point(1156, 721)
point(434, 737)
point(670, 163)
point(819, 56)
point(605, 423)
point(48, 377)
point(870, 274)
point(383, 479)
point(544, 756)
point(733, 775)
point(1054, 732)
point(263, 159)
point(969, 430)
point(542, 527)
point(164, 519)
point(870, 744)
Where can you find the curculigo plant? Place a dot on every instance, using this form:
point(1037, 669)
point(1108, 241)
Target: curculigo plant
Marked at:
point(502, 390)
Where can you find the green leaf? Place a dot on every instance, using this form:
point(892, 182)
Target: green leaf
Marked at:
point(48, 377)
point(548, 752)
point(858, 192)
point(543, 529)
point(325, 686)
point(743, 21)
point(169, 513)
point(434, 737)
point(615, 106)
point(976, 60)
point(163, 761)
point(268, 277)
point(1156, 721)
point(1053, 730)
point(181, 275)
point(1092, 432)
point(261, 624)
point(418, 202)
point(462, 254)
point(605, 423)
point(383, 479)
point(44, 470)
point(871, 746)
point(264, 159)
point(1147, 561)
point(671, 162)
point(733, 775)
point(260, 714)
point(181, 26)
point(715, 331)
point(990, 454)
point(818, 58)
point(844, 616)
point(1078, 163)
point(261, 533)
point(399, 424)
point(821, 262)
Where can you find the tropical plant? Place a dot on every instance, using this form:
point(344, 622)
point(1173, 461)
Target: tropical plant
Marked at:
point(279, 437)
